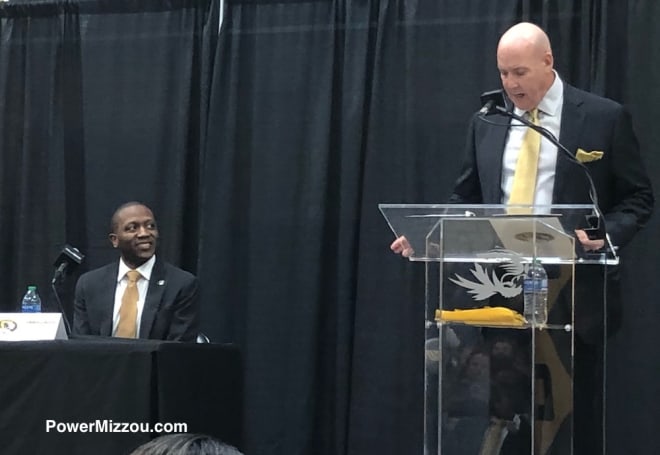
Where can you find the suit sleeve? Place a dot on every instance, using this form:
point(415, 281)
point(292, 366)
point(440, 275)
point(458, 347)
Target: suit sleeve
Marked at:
point(80, 318)
point(467, 189)
point(631, 188)
point(185, 316)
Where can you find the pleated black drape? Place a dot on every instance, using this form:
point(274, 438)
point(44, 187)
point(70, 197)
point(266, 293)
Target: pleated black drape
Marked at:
point(633, 354)
point(40, 124)
point(145, 67)
point(281, 208)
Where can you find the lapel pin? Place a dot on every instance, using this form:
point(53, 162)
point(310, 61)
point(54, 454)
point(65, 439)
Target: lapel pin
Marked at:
point(161, 282)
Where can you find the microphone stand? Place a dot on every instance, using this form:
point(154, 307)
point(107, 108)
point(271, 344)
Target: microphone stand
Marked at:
point(53, 286)
point(595, 231)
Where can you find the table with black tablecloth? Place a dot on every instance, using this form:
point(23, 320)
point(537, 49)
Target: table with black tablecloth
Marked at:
point(137, 381)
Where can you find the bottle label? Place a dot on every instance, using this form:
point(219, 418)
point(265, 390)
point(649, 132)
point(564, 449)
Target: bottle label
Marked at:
point(535, 285)
point(31, 309)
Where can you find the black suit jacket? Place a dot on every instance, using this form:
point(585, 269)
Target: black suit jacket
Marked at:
point(624, 190)
point(170, 311)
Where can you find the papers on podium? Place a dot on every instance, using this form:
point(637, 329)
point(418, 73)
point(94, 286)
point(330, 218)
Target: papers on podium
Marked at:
point(534, 236)
point(31, 327)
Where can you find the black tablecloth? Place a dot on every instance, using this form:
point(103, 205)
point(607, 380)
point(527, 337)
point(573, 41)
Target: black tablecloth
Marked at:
point(108, 380)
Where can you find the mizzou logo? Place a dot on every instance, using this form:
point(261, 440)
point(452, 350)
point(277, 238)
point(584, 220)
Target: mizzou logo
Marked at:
point(508, 286)
point(7, 325)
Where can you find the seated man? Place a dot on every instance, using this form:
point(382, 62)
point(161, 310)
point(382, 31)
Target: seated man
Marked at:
point(138, 296)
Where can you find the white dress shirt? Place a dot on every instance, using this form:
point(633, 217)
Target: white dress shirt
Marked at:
point(550, 109)
point(142, 285)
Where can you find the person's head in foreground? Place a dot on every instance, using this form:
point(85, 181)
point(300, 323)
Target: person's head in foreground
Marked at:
point(185, 444)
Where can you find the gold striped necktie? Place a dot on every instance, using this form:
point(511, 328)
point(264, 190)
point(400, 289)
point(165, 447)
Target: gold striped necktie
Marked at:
point(127, 326)
point(524, 177)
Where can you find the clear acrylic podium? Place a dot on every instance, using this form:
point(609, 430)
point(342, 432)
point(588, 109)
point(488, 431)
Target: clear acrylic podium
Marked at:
point(494, 382)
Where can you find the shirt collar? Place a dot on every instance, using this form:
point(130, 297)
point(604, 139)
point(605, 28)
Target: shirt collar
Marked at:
point(145, 269)
point(552, 100)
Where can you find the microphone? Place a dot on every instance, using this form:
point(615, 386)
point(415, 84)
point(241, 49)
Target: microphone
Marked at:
point(490, 101)
point(494, 102)
point(69, 258)
point(487, 108)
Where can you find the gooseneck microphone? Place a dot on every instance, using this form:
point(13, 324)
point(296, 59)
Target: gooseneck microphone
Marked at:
point(488, 107)
point(68, 259)
point(490, 101)
point(493, 102)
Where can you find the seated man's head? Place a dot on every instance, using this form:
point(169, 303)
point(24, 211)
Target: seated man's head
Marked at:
point(134, 233)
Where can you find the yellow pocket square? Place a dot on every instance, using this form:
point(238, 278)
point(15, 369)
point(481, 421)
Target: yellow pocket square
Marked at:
point(489, 316)
point(585, 157)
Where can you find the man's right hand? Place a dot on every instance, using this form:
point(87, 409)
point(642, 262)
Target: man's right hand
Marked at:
point(401, 246)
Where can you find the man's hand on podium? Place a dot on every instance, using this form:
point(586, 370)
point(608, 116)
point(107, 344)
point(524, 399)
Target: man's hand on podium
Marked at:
point(402, 246)
point(587, 243)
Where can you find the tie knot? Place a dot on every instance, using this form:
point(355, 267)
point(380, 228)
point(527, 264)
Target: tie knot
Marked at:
point(534, 115)
point(133, 276)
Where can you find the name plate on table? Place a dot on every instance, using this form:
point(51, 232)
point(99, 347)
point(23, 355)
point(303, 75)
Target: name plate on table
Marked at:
point(31, 327)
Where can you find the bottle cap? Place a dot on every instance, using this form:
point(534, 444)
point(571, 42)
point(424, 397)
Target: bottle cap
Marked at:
point(32, 288)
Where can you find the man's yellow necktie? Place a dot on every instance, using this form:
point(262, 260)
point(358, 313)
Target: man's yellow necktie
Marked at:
point(127, 326)
point(524, 178)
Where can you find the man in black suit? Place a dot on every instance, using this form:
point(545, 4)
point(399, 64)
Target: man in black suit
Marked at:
point(166, 306)
point(587, 125)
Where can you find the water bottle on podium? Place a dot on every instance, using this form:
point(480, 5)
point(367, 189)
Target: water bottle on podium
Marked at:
point(31, 302)
point(535, 291)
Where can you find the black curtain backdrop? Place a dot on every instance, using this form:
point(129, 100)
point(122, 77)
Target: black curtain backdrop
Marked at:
point(264, 150)
point(40, 116)
point(103, 102)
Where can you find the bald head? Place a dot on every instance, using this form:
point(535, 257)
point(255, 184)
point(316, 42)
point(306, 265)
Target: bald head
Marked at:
point(526, 34)
point(525, 62)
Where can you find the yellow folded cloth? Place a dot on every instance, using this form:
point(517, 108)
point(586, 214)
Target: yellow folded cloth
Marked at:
point(584, 157)
point(499, 316)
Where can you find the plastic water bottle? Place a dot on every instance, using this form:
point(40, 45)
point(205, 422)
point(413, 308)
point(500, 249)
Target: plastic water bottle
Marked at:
point(535, 291)
point(31, 301)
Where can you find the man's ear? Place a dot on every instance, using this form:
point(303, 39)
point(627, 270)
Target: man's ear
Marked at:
point(113, 239)
point(548, 59)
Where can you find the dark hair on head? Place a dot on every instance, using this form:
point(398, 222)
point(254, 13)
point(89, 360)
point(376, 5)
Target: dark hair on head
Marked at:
point(185, 444)
point(113, 221)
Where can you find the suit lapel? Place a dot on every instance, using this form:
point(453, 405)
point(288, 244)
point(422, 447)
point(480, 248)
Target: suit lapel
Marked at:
point(494, 140)
point(572, 124)
point(154, 298)
point(108, 290)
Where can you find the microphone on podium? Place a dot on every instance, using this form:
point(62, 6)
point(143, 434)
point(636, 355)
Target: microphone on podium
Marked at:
point(490, 101)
